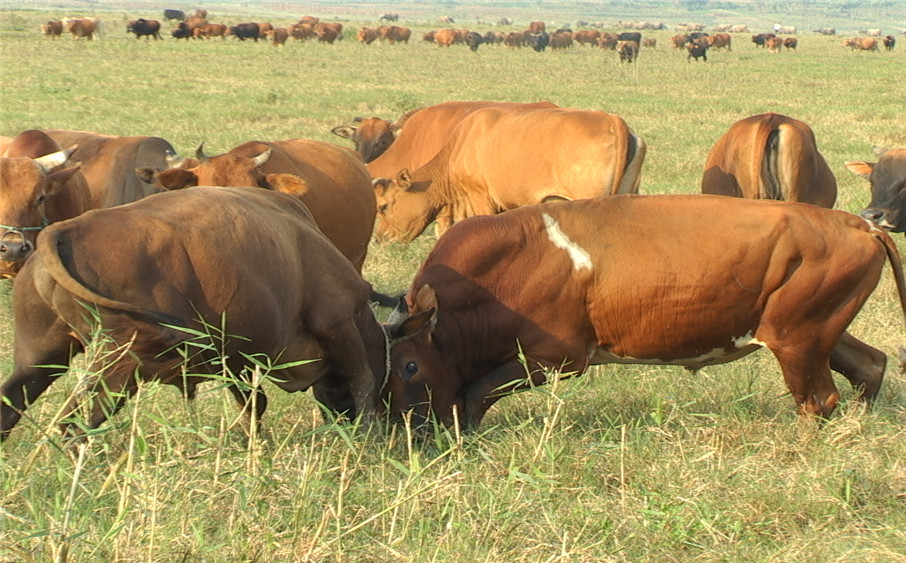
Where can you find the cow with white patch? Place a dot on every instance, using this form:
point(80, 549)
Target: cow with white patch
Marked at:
point(567, 285)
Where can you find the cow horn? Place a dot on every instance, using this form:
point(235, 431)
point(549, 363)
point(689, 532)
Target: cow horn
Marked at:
point(47, 162)
point(262, 158)
point(199, 153)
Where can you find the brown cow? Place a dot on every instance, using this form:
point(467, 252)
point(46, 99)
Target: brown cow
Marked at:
point(887, 179)
point(446, 37)
point(587, 37)
point(492, 162)
point(536, 27)
point(211, 30)
point(628, 50)
point(861, 44)
point(721, 41)
point(331, 180)
point(38, 188)
point(502, 302)
point(770, 156)
point(372, 136)
point(679, 41)
point(397, 34)
point(157, 285)
point(52, 29)
point(302, 31)
point(278, 36)
point(82, 27)
point(109, 162)
point(791, 43)
point(514, 39)
point(773, 44)
point(328, 32)
point(366, 35)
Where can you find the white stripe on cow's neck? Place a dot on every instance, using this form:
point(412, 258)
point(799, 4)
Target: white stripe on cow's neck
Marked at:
point(581, 259)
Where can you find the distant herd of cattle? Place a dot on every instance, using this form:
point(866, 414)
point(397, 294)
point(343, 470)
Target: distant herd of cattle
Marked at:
point(627, 44)
point(539, 267)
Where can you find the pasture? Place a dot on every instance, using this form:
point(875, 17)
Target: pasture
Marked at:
point(627, 463)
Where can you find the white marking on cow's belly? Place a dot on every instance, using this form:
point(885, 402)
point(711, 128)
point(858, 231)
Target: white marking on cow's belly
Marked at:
point(740, 347)
point(581, 259)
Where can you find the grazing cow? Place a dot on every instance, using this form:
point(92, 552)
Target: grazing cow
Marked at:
point(790, 43)
point(501, 302)
point(741, 28)
point(446, 19)
point(514, 39)
point(630, 36)
point(721, 41)
point(372, 136)
point(770, 156)
point(887, 179)
point(278, 36)
point(329, 32)
point(473, 40)
point(156, 283)
point(397, 34)
point(826, 31)
point(492, 162)
point(788, 29)
point(52, 29)
point(331, 180)
point(874, 32)
point(538, 41)
point(109, 161)
point(773, 44)
point(629, 51)
point(389, 17)
point(142, 27)
point(649, 42)
point(587, 37)
point(861, 44)
point(38, 188)
point(608, 41)
point(760, 39)
point(536, 27)
point(366, 35)
point(83, 27)
point(889, 42)
point(177, 15)
point(696, 50)
point(446, 37)
point(182, 31)
point(561, 40)
point(302, 31)
point(493, 37)
point(679, 41)
point(245, 31)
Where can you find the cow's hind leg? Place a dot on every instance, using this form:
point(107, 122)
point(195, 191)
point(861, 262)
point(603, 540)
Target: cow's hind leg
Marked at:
point(250, 396)
point(861, 364)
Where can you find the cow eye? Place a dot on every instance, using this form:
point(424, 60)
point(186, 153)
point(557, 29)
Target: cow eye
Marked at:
point(410, 370)
point(40, 199)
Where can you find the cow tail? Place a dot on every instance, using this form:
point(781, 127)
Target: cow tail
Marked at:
point(632, 171)
point(893, 256)
point(770, 165)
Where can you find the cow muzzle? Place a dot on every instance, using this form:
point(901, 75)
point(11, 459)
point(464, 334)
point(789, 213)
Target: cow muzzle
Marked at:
point(15, 246)
point(881, 217)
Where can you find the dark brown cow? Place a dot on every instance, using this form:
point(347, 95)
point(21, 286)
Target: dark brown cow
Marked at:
point(770, 156)
point(156, 282)
point(889, 42)
point(721, 41)
point(52, 29)
point(331, 180)
point(142, 27)
point(791, 43)
point(629, 51)
point(37, 188)
point(712, 283)
point(109, 163)
point(302, 31)
point(887, 179)
point(493, 162)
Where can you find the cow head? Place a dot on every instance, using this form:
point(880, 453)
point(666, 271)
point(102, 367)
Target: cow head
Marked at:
point(419, 381)
point(887, 179)
point(405, 207)
point(28, 188)
point(371, 137)
point(222, 170)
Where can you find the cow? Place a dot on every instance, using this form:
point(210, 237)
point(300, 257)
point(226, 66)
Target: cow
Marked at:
point(52, 29)
point(887, 179)
point(770, 156)
point(889, 42)
point(473, 40)
point(587, 37)
point(760, 39)
point(278, 36)
point(149, 275)
point(492, 162)
point(331, 180)
point(446, 37)
point(608, 41)
point(679, 41)
point(371, 136)
point(366, 35)
point(861, 44)
point(721, 41)
point(502, 302)
point(396, 34)
point(536, 27)
point(630, 36)
point(328, 32)
point(629, 51)
point(790, 43)
point(538, 41)
point(514, 39)
point(211, 30)
point(740, 28)
point(493, 37)
point(310, 20)
point(788, 29)
point(561, 40)
point(302, 31)
point(390, 17)
point(177, 15)
point(263, 28)
point(182, 31)
point(109, 161)
point(649, 42)
point(773, 44)
point(874, 32)
point(142, 27)
point(82, 27)
point(201, 13)
point(697, 50)
point(245, 31)
point(826, 31)
point(40, 186)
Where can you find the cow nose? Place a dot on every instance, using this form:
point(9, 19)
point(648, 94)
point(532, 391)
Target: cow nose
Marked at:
point(873, 214)
point(14, 247)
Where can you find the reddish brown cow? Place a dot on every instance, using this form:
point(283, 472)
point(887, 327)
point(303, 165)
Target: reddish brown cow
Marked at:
point(328, 32)
point(492, 162)
point(446, 37)
point(156, 284)
point(211, 30)
point(770, 156)
point(514, 39)
point(721, 41)
point(773, 44)
point(366, 35)
point(608, 41)
point(302, 31)
point(37, 188)
point(536, 27)
point(82, 27)
point(587, 37)
point(331, 180)
point(397, 34)
point(278, 36)
point(52, 29)
point(790, 43)
point(502, 302)
point(372, 136)
point(109, 163)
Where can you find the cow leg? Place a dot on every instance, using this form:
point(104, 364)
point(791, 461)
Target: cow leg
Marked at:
point(503, 381)
point(244, 395)
point(334, 393)
point(861, 364)
point(106, 394)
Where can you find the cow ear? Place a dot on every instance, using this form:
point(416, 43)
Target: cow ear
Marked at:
point(58, 178)
point(418, 324)
point(860, 168)
point(404, 179)
point(287, 183)
point(147, 174)
point(176, 179)
point(426, 298)
point(345, 131)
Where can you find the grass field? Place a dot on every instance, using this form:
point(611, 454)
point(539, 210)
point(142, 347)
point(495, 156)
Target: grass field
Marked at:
point(629, 463)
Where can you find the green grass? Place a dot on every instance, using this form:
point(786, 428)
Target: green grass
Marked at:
point(628, 463)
